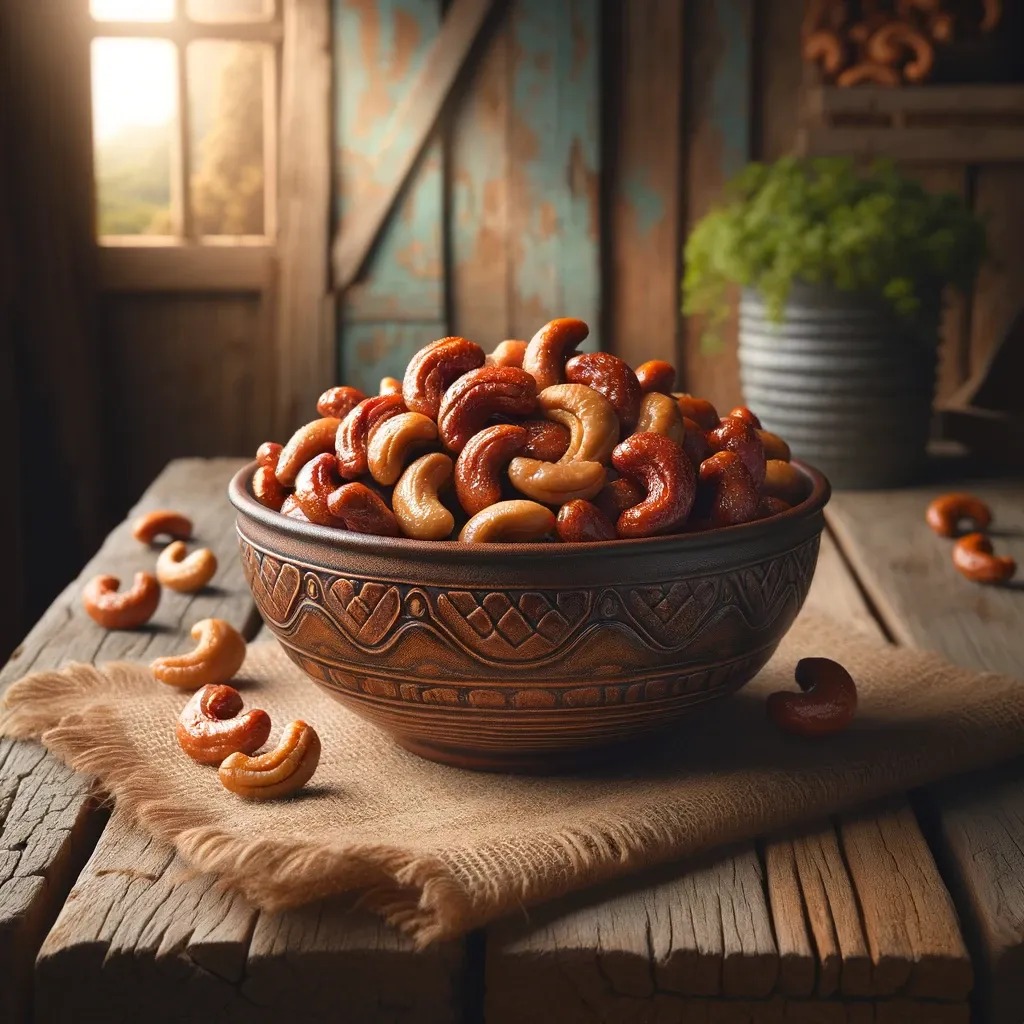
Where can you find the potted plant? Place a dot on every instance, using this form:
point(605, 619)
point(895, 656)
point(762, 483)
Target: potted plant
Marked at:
point(842, 271)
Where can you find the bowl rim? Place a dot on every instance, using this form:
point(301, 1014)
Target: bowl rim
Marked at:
point(241, 497)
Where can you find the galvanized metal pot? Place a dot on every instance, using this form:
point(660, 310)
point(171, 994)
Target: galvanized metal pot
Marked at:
point(847, 382)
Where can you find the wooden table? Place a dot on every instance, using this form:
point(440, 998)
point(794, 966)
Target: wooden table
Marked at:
point(910, 911)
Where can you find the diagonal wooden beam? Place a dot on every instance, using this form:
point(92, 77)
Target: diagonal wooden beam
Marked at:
point(409, 129)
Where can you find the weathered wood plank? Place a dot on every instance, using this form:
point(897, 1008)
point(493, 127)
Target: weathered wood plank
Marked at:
point(554, 216)
point(49, 824)
point(780, 72)
point(304, 356)
point(645, 219)
point(398, 304)
point(719, 113)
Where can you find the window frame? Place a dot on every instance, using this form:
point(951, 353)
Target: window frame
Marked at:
point(186, 260)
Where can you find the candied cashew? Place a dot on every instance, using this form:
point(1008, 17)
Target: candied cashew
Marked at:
point(279, 772)
point(415, 503)
point(210, 727)
point(217, 656)
point(506, 521)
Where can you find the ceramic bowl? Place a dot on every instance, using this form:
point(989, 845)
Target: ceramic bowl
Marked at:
point(528, 657)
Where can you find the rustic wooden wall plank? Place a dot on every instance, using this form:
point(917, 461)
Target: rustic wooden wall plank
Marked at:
point(554, 220)
point(645, 235)
point(779, 73)
point(719, 134)
point(398, 304)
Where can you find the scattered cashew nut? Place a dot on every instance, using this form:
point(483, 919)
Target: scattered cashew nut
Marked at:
point(515, 520)
point(215, 659)
point(415, 503)
point(184, 572)
point(210, 727)
point(945, 514)
point(826, 706)
point(161, 523)
point(126, 610)
point(973, 557)
point(279, 772)
point(390, 443)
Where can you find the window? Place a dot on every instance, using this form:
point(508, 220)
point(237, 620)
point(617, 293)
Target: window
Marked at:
point(184, 122)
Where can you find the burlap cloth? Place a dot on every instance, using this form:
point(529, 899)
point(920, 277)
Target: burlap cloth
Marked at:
point(438, 850)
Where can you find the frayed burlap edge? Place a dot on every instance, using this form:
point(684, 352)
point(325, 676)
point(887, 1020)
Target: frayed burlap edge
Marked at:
point(417, 894)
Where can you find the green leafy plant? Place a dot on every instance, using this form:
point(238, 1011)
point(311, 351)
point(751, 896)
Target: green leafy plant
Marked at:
point(825, 221)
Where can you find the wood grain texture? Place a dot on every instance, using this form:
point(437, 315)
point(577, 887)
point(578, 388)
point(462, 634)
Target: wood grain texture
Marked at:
point(188, 374)
point(645, 236)
point(719, 132)
point(554, 217)
point(304, 361)
point(398, 303)
point(779, 75)
point(49, 820)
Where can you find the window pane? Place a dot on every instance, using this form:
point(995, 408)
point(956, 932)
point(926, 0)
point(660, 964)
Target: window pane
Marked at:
point(229, 10)
point(134, 114)
point(132, 10)
point(225, 88)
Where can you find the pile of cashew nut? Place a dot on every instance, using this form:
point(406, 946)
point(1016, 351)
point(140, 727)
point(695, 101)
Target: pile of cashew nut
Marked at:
point(973, 554)
point(211, 729)
point(532, 442)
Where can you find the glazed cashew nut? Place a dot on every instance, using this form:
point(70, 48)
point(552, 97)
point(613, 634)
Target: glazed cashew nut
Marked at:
point(128, 610)
point(668, 478)
point(479, 465)
point(509, 521)
point(589, 416)
point(434, 368)
point(352, 435)
point(774, 446)
point(267, 489)
point(161, 522)
point(313, 486)
point(309, 440)
point(480, 394)
point(782, 480)
point(550, 347)
point(656, 375)
point(973, 558)
point(741, 412)
point(210, 727)
point(735, 435)
point(283, 770)
point(945, 514)
point(659, 414)
point(825, 48)
point(415, 503)
point(888, 43)
point(610, 377)
point(184, 572)
point(580, 521)
point(826, 706)
point(391, 442)
point(507, 353)
point(555, 483)
point(545, 440)
point(339, 402)
point(217, 656)
point(735, 496)
point(362, 511)
point(616, 496)
point(389, 386)
point(267, 455)
point(695, 444)
point(700, 410)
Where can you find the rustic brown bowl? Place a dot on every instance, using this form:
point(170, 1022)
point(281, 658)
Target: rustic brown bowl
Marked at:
point(528, 657)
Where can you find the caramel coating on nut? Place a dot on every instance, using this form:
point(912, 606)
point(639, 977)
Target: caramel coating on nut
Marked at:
point(741, 412)
point(433, 370)
point(210, 726)
point(735, 435)
point(783, 480)
point(267, 489)
point(973, 558)
point(555, 483)
point(415, 503)
point(508, 521)
point(769, 506)
point(616, 496)
point(700, 410)
point(127, 610)
point(355, 429)
point(480, 394)
point(946, 513)
point(391, 442)
point(774, 446)
point(161, 522)
point(339, 402)
point(580, 521)
point(735, 498)
point(545, 440)
point(661, 467)
point(656, 375)
point(550, 347)
point(267, 455)
point(508, 353)
point(480, 464)
point(362, 511)
point(184, 572)
point(589, 417)
point(659, 414)
point(826, 706)
point(217, 656)
point(695, 444)
point(281, 771)
point(389, 386)
point(292, 509)
point(309, 440)
point(313, 486)
point(610, 377)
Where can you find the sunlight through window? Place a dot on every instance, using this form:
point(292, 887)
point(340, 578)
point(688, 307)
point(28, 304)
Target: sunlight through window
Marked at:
point(132, 10)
